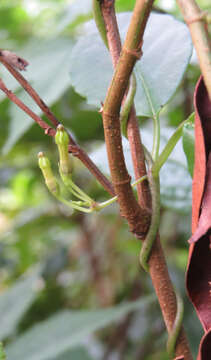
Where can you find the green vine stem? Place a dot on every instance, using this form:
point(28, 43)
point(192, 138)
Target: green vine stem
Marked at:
point(96, 9)
point(154, 185)
point(175, 331)
point(128, 103)
point(169, 147)
point(147, 247)
point(156, 137)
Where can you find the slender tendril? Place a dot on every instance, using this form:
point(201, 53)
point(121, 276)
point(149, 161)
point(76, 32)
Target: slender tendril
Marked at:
point(156, 137)
point(155, 218)
point(147, 246)
point(99, 20)
point(170, 146)
point(174, 333)
point(125, 110)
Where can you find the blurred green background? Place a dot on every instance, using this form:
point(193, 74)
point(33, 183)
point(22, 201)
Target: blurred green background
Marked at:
point(66, 278)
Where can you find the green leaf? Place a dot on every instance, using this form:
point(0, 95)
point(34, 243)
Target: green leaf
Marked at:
point(188, 141)
point(124, 5)
point(15, 302)
point(158, 73)
point(67, 329)
point(47, 73)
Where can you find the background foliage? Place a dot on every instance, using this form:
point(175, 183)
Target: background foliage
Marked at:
point(64, 275)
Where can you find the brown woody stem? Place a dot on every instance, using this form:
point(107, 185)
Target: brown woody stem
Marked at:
point(196, 21)
point(133, 133)
point(158, 269)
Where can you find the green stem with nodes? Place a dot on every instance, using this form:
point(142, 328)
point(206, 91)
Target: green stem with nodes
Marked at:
point(153, 178)
point(169, 147)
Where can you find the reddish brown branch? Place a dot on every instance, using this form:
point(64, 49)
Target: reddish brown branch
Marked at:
point(158, 268)
point(138, 218)
point(48, 130)
point(114, 43)
point(73, 147)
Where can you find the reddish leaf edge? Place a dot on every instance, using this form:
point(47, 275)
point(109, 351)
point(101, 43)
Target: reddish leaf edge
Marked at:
point(198, 277)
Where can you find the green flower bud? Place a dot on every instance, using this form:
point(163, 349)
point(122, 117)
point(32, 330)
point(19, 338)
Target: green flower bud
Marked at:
point(62, 141)
point(61, 136)
point(50, 180)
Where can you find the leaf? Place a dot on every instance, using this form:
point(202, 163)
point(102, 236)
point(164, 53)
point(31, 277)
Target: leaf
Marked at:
point(14, 303)
point(204, 222)
point(158, 73)
point(199, 265)
point(47, 73)
point(188, 141)
point(73, 11)
point(175, 180)
point(78, 353)
point(65, 330)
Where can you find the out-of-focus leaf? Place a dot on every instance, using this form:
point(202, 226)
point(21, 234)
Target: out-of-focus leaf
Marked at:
point(188, 141)
point(65, 330)
point(47, 73)
point(15, 302)
point(124, 5)
point(78, 353)
point(72, 11)
point(158, 73)
point(174, 177)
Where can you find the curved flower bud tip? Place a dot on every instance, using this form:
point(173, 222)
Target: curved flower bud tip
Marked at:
point(50, 180)
point(62, 141)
